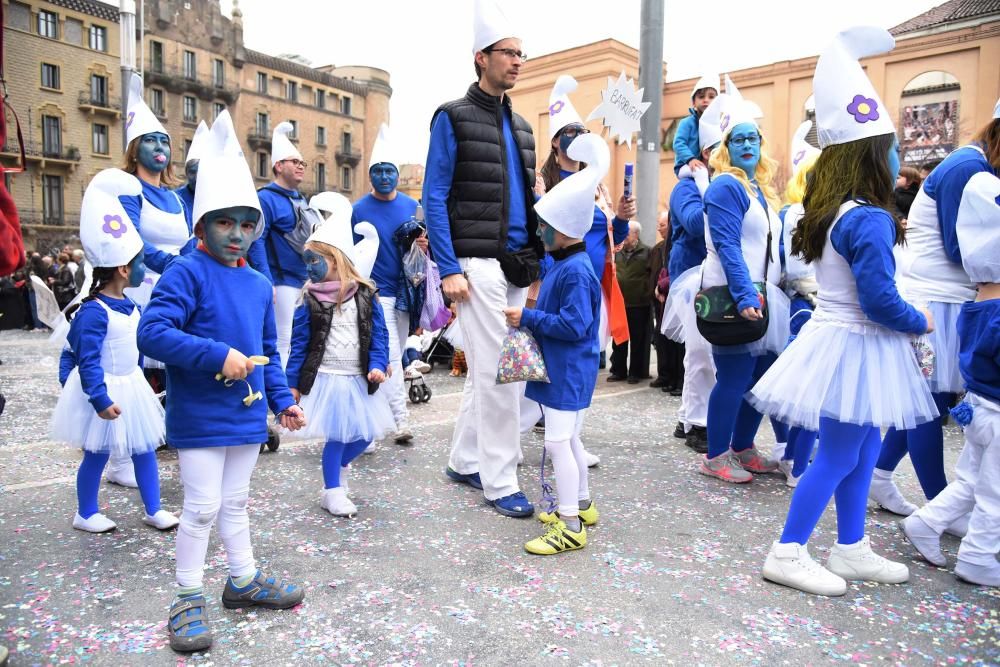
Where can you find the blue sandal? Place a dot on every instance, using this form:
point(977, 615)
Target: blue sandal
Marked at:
point(262, 592)
point(187, 625)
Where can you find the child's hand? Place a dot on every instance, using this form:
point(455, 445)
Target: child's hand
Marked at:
point(695, 164)
point(295, 394)
point(237, 366)
point(375, 375)
point(110, 412)
point(513, 316)
point(293, 418)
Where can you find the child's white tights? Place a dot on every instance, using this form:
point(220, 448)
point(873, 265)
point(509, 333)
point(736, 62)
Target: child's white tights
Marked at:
point(563, 444)
point(216, 484)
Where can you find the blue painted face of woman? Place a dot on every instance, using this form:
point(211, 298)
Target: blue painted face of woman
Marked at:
point(744, 148)
point(154, 151)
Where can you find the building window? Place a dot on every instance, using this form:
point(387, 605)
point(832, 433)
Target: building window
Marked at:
point(99, 90)
point(321, 136)
point(262, 125)
point(190, 66)
point(320, 99)
point(52, 199)
point(156, 102)
point(263, 165)
point(218, 73)
point(48, 24)
point(99, 139)
point(345, 106)
point(293, 91)
point(156, 57)
point(345, 142)
point(52, 136)
point(320, 177)
point(294, 134)
point(262, 83)
point(190, 109)
point(50, 76)
point(187, 148)
point(217, 108)
point(345, 178)
point(98, 38)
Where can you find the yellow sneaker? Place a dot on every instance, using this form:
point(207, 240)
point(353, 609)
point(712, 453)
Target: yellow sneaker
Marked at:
point(557, 539)
point(588, 516)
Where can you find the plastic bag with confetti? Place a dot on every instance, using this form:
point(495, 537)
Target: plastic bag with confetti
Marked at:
point(521, 359)
point(924, 352)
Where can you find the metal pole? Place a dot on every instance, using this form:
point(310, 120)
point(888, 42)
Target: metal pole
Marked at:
point(651, 79)
point(126, 45)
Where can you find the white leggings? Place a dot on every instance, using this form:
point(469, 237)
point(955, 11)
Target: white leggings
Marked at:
point(563, 444)
point(285, 298)
point(216, 484)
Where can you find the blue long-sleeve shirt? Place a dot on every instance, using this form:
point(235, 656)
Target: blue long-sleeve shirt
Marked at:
point(864, 236)
point(442, 154)
point(378, 353)
point(727, 202)
point(687, 228)
point(565, 322)
point(198, 311)
point(187, 201)
point(386, 216)
point(284, 266)
point(979, 347)
point(164, 199)
point(86, 338)
point(686, 140)
point(945, 186)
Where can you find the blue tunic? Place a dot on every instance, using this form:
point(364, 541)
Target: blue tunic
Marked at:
point(727, 202)
point(386, 216)
point(979, 347)
point(945, 186)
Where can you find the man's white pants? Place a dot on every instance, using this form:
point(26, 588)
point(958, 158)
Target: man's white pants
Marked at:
point(976, 487)
point(699, 379)
point(285, 298)
point(486, 438)
point(398, 324)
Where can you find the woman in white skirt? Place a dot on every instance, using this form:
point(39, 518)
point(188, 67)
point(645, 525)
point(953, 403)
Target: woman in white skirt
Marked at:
point(852, 369)
point(340, 352)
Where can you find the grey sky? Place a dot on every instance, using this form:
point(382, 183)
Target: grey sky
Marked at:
point(426, 44)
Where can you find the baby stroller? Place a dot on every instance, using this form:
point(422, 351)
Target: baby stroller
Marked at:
point(440, 350)
point(416, 388)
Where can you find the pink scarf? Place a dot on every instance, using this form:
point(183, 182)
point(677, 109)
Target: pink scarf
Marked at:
point(329, 291)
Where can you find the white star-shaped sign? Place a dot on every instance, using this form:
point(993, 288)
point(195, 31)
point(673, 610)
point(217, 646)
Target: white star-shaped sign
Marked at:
point(621, 108)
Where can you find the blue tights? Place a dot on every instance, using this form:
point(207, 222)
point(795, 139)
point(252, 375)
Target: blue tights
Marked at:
point(88, 481)
point(799, 449)
point(842, 469)
point(925, 443)
point(336, 455)
point(731, 420)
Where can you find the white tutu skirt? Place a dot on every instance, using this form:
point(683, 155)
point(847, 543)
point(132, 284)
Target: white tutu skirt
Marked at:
point(137, 430)
point(338, 407)
point(854, 373)
point(678, 312)
point(775, 338)
point(946, 377)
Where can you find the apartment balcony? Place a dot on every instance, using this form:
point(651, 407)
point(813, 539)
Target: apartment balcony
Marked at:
point(95, 105)
point(347, 156)
point(259, 141)
point(35, 216)
point(179, 82)
point(43, 156)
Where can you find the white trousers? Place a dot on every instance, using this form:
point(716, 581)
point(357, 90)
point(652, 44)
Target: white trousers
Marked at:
point(976, 487)
point(216, 485)
point(562, 442)
point(699, 380)
point(486, 438)
point(398, 324)
point(284, 312)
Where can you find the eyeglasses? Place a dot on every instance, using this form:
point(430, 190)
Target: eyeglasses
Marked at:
point(510, 53)
point(744, 139)
point(574, 131)
point(297, 163)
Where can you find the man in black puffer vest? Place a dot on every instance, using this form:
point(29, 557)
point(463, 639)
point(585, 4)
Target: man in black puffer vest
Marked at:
point(481, 222)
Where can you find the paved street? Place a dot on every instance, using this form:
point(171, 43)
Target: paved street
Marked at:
point(427, 574)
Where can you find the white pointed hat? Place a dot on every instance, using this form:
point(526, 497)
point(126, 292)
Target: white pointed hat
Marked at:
point(736, 110)
point(332, 202)
point(561, 109)
point(224, 179)
point(197, 143)
point(978, 228)
point(709, 130)
point(802, 150)
point(282, 147)
point(710, 80)
point(337, 232)
point(139, 118)
point(384, 149)
point(847, 106)
point(569, 206)
point(108, 236)
point(489, 24)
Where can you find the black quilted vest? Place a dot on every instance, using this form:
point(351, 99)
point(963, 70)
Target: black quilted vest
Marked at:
point(478, 202)
point(320, 317)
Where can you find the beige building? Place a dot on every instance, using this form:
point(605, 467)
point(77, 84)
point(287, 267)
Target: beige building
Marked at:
point(195, 65)
point(411, 180)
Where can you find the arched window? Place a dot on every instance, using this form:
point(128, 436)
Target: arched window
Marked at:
point(928, 123)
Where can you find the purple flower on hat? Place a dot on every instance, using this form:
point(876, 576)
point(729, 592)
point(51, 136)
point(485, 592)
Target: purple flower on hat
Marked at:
point(556, 107)
point(725, 122)
point(131, 117)
point(798, 156)
point(114, 226)
point(863, 109)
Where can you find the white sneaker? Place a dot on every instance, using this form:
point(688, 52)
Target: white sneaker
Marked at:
point(924, 539)
point(371, 448)
point(790, 565)
point(336, 502)
point(422, 366)
point(96, 523)
point(857, 562)
point(887, 496)
point(162, 520)
point(983, 575)
point(121, 473)
point(960, 526)
point(411, 373)
point(403, 433)
point(344, 470)
point(778, 450)
point(785, 466)
point(592, 460)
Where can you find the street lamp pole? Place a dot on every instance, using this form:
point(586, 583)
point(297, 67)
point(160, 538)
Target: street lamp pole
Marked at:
point(126, 18)
point(651, 79)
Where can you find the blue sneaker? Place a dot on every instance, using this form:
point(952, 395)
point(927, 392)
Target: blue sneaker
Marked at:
point(187, 624)
point(516, 505)
point(262, 591)
point(472, 479)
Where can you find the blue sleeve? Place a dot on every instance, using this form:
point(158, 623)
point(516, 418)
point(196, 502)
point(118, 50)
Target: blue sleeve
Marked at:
point(573, 319)
point(86, 337)
point(619, 230)
point(378, 353)
point(257, 257)
point(687, 210)
point(545, 265)
point(67, 362)
point(864, 237)
point(300, 345)
point(441, 157)
point(161, 329)
point(275, 383)
point(682, 142)
point(188, 247)
point(157, 260)
point(726, 203)
point(946, 191)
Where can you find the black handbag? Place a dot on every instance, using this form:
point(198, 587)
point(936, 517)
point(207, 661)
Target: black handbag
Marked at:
point(521, 268)
point(718, 318)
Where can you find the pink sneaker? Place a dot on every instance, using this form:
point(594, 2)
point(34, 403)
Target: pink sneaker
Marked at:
point(752, 461)
point(726, 467)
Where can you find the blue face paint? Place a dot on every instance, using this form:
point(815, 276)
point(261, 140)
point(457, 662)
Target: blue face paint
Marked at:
point(154, 151)
point(894, 159)
point(229, 232)
point(137, 271)
point(744, 155)
point(384, 178)
point(568, 135)
point(547, 234)
point(316, 266)
point(191, 173)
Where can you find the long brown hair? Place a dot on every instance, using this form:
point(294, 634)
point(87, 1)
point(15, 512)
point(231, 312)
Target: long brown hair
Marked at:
point(346, 271)
point(855, 170)
point(167, 177)
point(989, 137)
